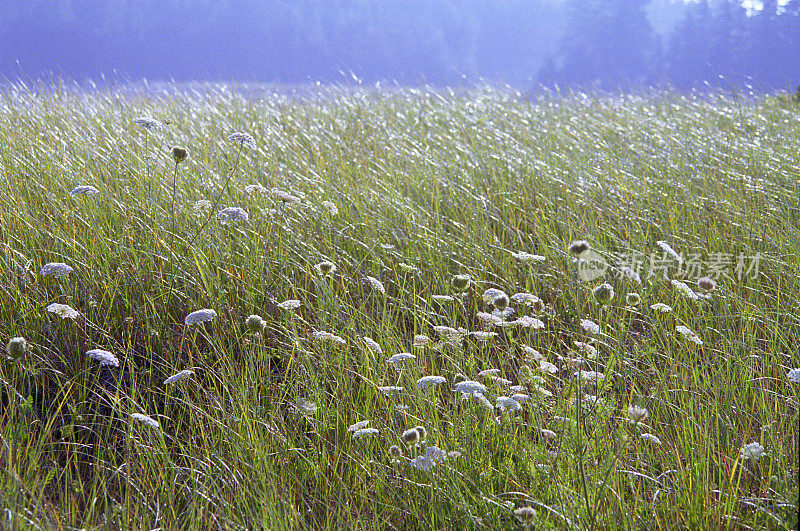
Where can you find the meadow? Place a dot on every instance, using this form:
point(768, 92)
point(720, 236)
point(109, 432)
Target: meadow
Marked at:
point(398, 309)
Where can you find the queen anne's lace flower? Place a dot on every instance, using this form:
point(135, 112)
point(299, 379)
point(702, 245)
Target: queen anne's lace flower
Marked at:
point(491, 294)
point(56, 269)
point(684, 289)
point(148, 123)
point(243, 138)
point(528, 257)
point(285, 196)
point(636, 413)
point(753, 451)
point(401, 357)
point(253, 188)
point(364, 432)
point(373, 345)
point(105, 357)
point(230, 214)
point(360, 425)
point(388, 389)
point(428, 381)
point(377, 285)
point(144, 419)
point(178, 376)
point(305, 406)
point(483, 336)
point(330, 207)
point(793, 376)
point(507, 403)
point(527, 321)
point(590, 326)
point(320, 335)
point(422, 462)
point(64, 311)
point(291, 304)
point(87, 190)
point(670, 251)
point(661, 307)
point(689, 334)
point(649, 437)
point(200, 316)
point(468, 387)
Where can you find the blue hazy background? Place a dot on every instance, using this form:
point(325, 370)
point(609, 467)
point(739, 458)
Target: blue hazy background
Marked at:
point(601, 44)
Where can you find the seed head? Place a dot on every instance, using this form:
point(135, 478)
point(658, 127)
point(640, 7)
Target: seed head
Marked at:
point(255, 324)
point(579, 247)
point(395, 451)
point(200, 316)
point(525, 514)
point(633, 299)
point(707, 283)
point(410, 437)
point(179, 154)
point(501, 302)
point(56, 269)
point(17, 346)
point(423, 434)
point(604, 293)
point(461, 282)
point(326, 268)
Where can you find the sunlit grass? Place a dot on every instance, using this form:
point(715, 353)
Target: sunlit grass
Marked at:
point(426, 184)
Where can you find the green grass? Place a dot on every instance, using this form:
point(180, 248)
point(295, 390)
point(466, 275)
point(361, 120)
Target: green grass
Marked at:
point(454, 182)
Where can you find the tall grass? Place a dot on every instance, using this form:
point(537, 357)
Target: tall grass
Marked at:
point(428, 183)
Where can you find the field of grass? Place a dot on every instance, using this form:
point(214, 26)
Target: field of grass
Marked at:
point(401, 190)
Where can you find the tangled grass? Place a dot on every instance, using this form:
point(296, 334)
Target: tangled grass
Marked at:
point(298, 343)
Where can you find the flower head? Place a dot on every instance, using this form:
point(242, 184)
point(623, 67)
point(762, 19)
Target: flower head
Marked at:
point(794, 375)
point(104, 357)
point(364, 432)
point(202, 207)
point(636, 413)
point(285, 196)
point(17, 347)
point(684, 289)
point(410, 437)
point(428, 381)
point(179, 154)
point(590, 326)
point(291, 304)
point(526, 515)
point(178, 376)
point(633, 299)
point(461, 282)
point(253, 188)
point(707, 283)
point(469, 387)
point(507, 403)
point(661, 307)
point(377, 285)
point(578, 247)
point(604, 293)
point(326, 268)
point(689, 334)
point(331, 208)
point(244, 139)
point(232, 214)
point(148, 123)
point(360, 425)
point(373, 345)
point(64, 311)
point(56, 269)
point(422, 462)
point(200, 316)
point(144, 419)
point(753, 451)
point(322, 336)
point(305, 406)
point(401, 357)
point(87, 190)
point(254, 323)
point(670, 251)
point(649, 437)
point(528, 257)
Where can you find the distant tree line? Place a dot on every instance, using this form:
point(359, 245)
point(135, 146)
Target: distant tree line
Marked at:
point(573, 43)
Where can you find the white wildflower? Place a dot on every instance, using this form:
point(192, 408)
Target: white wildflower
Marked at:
point(520, 397)
point(661, 307)
point(373, 345)
point(524, 298)
point(144, 419)
point(202, 207)
point(753, 451)
point(590, 326)
point(489, 372)
point(507, 403)
point(401, 357)
point(590, 375)
point(604, 293)
point(330, 207)
point(200, 316)
point(377, 285)
point(500, 381)
point(55, 269)
point(649, 437)
point(291, 304)
point(489, 319)
point(411, 437)
point(148, 123)
point(630, 273)
point(549, 434)
point(305, 406)
point(684, 289)
point(468, 387)
point(64, 311)
point(585, 348)
point(364, 432)
point(286, 197)
point(323, 336)
point(178, 376)
point(422, 462)
point(244, 139)
point(389, 389)
point(532, 352)
point(435, 454)
point(483, 336)
point(87, 190)
point(230, 214)
point(528, 257)
point(360, 425)
point(421, 341)
point(670, 251)
point(491, 294)
point(689, 334)
point(526, 515)
point(442, 298)
point(253, 188)
point(105, 357)
point(428, 381)
point(637, 414)
point(793, 376)
point(546, 366)
point(526, 321)
point(408, 268)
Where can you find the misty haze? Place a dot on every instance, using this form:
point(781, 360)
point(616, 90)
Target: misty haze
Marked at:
point(410, 264)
